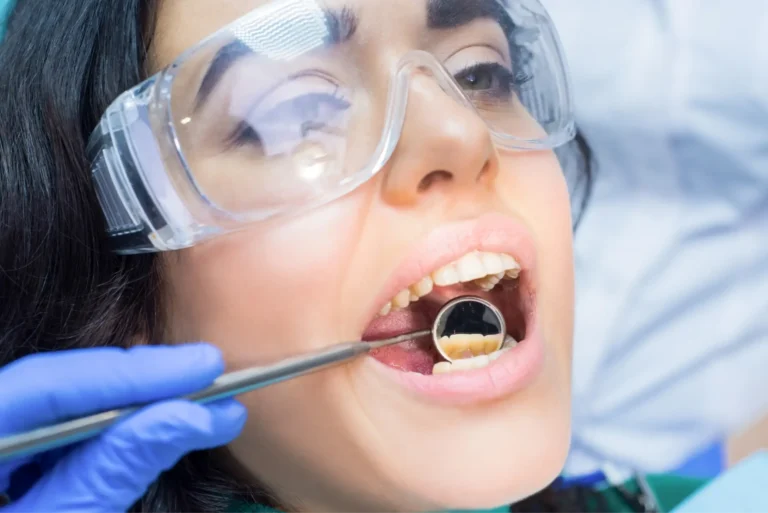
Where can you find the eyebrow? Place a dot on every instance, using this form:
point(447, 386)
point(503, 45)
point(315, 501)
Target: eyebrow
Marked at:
point(448, 14)
point(341, 23)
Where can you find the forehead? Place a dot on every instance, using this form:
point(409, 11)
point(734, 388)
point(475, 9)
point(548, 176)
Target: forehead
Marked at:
point(183, 23)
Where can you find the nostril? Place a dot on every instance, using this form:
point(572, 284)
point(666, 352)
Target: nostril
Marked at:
point(433, 178)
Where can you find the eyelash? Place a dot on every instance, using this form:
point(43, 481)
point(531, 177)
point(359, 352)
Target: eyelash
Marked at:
point(245, 134)
point(509, 82)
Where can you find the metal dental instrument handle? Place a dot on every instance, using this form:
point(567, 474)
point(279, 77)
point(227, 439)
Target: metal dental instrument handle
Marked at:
point(228, 385)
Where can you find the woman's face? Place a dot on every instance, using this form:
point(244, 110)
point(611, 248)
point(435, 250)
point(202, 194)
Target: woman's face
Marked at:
point(384, 432)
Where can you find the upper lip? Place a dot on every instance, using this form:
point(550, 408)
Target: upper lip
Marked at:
point(492, 232)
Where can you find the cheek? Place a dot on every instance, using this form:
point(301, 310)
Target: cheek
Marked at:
point(264, 293)
point(536, 190)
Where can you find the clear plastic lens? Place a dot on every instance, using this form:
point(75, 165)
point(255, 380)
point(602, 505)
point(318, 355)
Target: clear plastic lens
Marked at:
point(266, 130)
point(286, 109)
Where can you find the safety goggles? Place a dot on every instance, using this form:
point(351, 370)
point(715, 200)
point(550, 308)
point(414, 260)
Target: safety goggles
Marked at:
point(288, 108)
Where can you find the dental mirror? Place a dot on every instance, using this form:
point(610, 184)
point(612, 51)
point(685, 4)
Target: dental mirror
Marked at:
point(468, 326)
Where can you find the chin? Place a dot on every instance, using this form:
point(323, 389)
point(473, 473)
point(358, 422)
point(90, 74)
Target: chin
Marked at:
point(497, 462)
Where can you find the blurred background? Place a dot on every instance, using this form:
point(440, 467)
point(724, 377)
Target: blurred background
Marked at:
point(671, 355)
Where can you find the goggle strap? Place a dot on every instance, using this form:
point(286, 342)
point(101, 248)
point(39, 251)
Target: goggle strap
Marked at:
point(121, 220)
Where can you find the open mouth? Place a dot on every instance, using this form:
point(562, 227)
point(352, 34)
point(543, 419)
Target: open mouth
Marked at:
point(495, 277)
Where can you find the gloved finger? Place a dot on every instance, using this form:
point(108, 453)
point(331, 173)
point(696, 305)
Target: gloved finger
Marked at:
point(7, 470)
point(46, 388)
point(112, 472)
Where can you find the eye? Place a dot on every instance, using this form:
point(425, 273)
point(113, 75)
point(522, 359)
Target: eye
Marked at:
point(476, 80)
point(487, 77)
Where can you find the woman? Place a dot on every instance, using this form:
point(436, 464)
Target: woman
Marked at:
point(335, 171)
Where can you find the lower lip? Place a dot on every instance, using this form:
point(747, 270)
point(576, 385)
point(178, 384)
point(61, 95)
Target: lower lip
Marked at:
point(511, 373)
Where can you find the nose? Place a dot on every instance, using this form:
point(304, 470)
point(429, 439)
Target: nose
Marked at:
point(444, 147)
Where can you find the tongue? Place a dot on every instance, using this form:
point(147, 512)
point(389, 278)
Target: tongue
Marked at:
point(413, 356)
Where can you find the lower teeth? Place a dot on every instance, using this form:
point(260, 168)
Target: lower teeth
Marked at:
point(477, 362)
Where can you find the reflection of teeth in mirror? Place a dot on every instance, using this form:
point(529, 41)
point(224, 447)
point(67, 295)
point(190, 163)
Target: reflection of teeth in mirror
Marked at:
point(464, 345)
point(478, 362)
point(477, 346)
point(462, 355)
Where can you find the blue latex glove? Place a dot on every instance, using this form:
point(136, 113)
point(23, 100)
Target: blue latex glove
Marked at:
point(111, 472)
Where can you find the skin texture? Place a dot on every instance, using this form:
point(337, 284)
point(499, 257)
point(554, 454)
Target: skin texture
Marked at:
point(746, 443)
point(337, 440)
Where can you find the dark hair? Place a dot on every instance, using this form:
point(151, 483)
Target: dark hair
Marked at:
point(62, 63)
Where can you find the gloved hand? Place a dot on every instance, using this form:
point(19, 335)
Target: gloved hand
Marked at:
point(110, 472)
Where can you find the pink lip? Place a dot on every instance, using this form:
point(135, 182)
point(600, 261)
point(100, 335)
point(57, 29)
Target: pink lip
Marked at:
point(492, 232)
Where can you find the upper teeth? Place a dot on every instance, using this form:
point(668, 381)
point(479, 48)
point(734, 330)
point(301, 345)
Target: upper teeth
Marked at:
point(486, 270)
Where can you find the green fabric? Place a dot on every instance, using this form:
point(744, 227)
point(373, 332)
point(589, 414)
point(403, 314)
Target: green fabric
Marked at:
point(669, 490)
